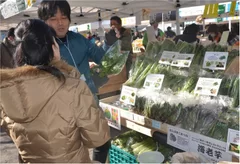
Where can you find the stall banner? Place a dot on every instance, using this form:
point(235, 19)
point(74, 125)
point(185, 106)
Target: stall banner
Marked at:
point(211, 11)
point(10, 8)
point(112, 114)
point(215, 60)
point(232, 9)
point(233, 142)
point(214, 150)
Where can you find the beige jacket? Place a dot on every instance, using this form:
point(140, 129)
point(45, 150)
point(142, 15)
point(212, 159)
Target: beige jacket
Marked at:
point(48, 120)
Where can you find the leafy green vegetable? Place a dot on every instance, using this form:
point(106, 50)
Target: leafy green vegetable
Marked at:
point(113, 61)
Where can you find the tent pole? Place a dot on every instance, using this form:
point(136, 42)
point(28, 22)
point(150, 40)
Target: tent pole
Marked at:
point(204, 27)
point(177, 21)
point(162, 22)
point(229, 24)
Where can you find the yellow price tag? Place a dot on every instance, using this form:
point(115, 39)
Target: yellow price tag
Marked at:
point(232, 9)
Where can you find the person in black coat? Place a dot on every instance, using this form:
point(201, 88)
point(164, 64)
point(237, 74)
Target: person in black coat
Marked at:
point(189, 35)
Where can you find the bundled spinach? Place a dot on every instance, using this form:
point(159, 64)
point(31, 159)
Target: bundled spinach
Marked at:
point(113, 61)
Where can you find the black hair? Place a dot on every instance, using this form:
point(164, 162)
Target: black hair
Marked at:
point(11, 32)
point(169, 28)
point(117, 19)
point(192, 29)
point(48, 8)
point(35, 47)
point(213, 28)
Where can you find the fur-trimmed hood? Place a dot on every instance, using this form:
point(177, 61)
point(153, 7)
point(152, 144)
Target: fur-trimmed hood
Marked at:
point(30, 72)
point(25, 90)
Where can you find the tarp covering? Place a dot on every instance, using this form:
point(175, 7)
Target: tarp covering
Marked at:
point(108, 8)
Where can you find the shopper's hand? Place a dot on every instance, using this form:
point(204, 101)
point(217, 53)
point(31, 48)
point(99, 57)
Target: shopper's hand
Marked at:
point(117, 33)
point(56, 51)
point(92, 64)
point(142, 49)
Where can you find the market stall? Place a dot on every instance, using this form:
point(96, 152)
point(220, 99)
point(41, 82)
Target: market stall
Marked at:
point(182, 90)
point(178, 94)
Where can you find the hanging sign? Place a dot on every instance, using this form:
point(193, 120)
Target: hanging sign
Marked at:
point(211, 11)
point(232, 9)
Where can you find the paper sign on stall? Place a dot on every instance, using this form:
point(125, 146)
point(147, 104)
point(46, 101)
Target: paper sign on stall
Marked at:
point(210, 148)
point(167, 57)
point(128, 95)
point(154, 81)
point(233, 142)
point(215, 60)
point(182, 60)
point(178, 138)
point(207, 86)
point(112, 114)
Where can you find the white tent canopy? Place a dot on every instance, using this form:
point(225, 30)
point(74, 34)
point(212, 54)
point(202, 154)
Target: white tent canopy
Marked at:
point(108, 8)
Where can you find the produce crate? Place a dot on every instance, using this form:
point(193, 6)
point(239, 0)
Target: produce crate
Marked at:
point(117, 155)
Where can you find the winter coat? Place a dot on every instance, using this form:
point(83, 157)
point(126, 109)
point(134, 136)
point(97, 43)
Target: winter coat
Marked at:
point(126, 43)
point(189, 38)
point(6, 57)
point(49, 120)
point(82, 50)
point(126, 39)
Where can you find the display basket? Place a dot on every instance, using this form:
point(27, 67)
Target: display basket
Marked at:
point(117, 155)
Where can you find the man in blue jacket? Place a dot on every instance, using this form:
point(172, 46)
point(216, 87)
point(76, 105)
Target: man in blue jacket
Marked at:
point(74, 48)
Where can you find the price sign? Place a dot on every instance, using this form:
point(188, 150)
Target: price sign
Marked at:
point(207, 86)
point(215, 60)
point(128, 95)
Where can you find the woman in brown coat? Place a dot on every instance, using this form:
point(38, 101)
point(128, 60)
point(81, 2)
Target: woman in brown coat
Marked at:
point(48, 111)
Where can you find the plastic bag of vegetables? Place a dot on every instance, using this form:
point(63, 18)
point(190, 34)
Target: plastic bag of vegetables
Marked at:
point(113, 61)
